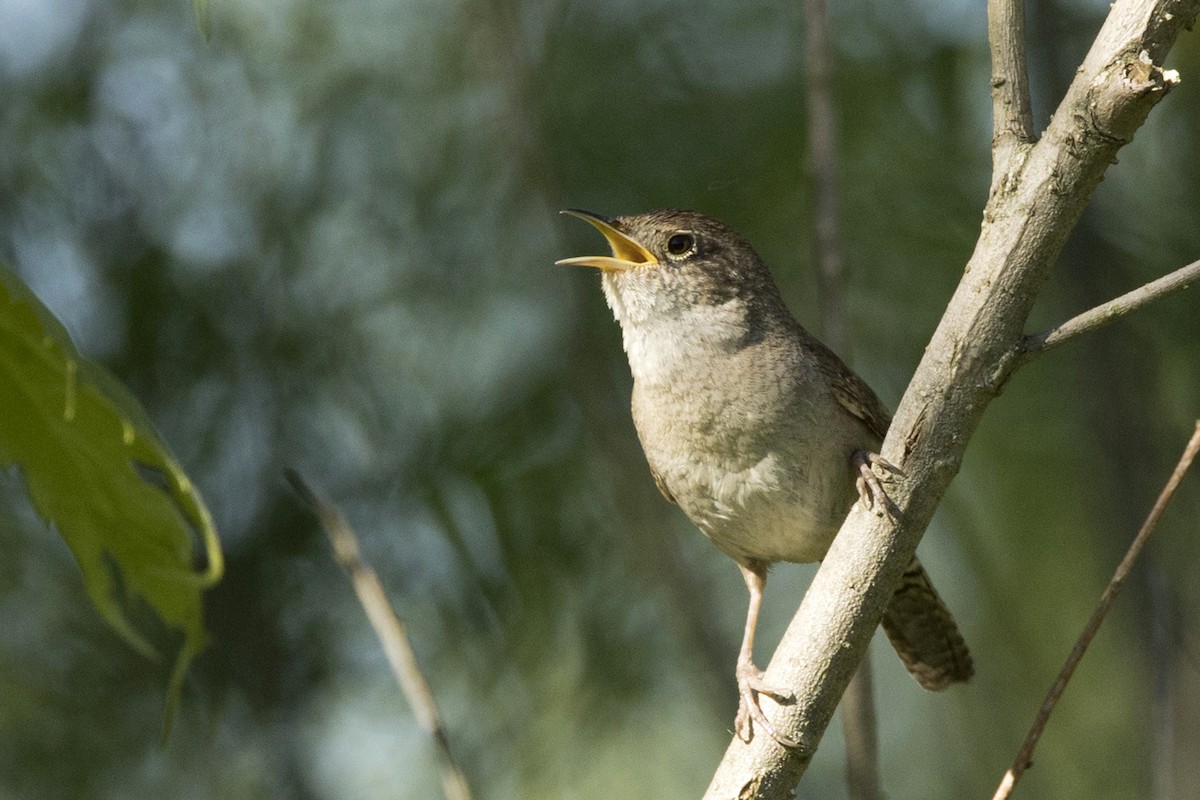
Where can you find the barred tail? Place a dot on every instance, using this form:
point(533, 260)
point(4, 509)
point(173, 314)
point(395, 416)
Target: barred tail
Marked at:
point(924, 634)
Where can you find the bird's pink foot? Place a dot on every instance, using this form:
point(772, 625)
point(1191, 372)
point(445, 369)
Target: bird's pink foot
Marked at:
point(750, 686)
point(871, 493)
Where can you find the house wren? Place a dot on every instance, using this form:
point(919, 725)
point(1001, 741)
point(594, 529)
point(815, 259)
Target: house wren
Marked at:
point(760, 433)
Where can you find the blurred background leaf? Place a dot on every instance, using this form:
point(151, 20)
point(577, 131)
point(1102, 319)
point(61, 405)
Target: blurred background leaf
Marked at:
point(97, 472)
point(324, 239)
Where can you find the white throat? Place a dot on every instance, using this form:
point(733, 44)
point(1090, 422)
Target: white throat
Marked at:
point(664, 329)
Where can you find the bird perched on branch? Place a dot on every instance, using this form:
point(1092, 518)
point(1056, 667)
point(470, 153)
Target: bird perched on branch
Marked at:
point(760, 433)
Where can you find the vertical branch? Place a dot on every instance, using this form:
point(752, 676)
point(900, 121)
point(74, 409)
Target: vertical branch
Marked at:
point(1165, 700)
point(861, 732)
point(1012, 115)
point(823, 169)
point(859, 728)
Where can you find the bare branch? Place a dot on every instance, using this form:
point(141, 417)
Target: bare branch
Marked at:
point(859, 728)
point(967, 361)
point(1098, 317)
point(1012, 116)
point(390, 630)
point(1025, 754)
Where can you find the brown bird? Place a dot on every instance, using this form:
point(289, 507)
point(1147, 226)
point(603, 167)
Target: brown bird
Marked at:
point(760, 433)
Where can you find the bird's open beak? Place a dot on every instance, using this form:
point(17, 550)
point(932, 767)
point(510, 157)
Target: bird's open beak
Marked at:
point(627, 252)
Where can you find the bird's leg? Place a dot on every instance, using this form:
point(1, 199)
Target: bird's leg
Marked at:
point(750, 678)
point(870, 488)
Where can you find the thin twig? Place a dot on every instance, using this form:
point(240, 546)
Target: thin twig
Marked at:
point(1025, 755)
point(1037, 343)
point(1012, 115)
point(390, 630)
point(859, 727)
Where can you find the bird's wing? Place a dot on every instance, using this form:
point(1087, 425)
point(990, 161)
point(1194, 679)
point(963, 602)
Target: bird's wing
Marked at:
point(855, 396)
point(852, 392)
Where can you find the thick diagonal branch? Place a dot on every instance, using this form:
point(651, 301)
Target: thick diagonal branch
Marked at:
point(967, 361)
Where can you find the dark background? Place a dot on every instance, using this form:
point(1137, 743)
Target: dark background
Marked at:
point(325, 238)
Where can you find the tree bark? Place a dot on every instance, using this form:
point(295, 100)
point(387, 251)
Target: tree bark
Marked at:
point(1037, 197)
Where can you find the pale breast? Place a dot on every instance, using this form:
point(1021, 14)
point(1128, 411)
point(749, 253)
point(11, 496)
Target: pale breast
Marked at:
point(754, 486)
point(757, 512)
point(742, 431)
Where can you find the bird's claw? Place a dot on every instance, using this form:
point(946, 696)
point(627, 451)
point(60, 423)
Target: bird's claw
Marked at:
point(869, 482)
point(750, 686)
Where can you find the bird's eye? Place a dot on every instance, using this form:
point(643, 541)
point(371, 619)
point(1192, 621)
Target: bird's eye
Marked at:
point(681, 244)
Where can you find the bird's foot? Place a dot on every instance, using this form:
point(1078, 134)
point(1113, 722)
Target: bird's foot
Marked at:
point(751, 684)
point(870, 482)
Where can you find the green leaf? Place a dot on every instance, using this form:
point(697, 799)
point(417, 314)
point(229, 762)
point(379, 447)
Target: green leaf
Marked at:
point(95, 469)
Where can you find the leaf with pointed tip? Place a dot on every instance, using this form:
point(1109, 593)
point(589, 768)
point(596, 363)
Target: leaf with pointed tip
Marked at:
point(95, 469)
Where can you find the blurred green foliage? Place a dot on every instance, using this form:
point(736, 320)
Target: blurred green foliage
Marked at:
point(324, 239)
